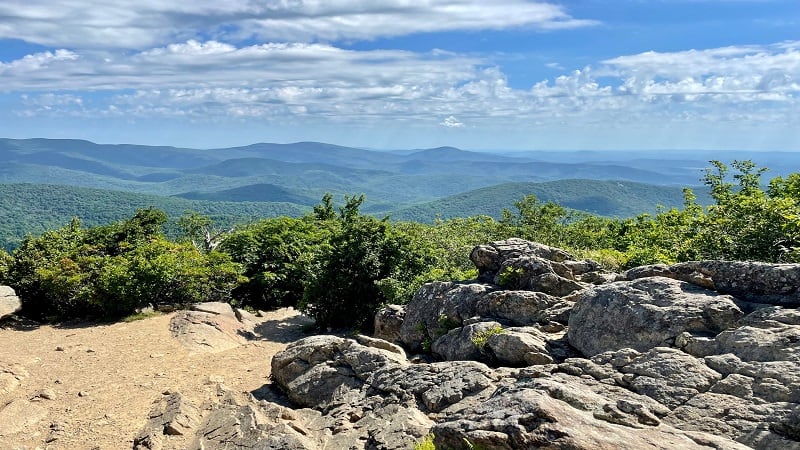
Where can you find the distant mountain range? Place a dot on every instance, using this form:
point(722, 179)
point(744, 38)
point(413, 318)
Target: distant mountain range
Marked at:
point(416, 184)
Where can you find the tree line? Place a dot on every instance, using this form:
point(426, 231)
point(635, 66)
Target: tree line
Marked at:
point(339, 265)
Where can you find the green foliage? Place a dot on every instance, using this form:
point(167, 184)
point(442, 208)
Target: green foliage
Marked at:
point(278, 256)
point(744, 223)
point(111, 270)
point(426, 443)
point(34, 209)
point(140, 316)
point(480, 338)
point(5, 263)
point(510, 277)
point(344, 286)
point(339, 265)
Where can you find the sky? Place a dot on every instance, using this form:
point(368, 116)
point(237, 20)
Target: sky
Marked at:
point(401, 74)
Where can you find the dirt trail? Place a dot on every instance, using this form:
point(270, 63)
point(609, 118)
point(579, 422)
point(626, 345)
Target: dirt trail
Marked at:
point(106, 377)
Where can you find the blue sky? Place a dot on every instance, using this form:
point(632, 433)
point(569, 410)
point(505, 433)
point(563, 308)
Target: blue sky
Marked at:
point(499, 75)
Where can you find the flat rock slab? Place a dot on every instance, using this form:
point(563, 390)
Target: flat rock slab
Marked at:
point(19, 414)
point(211, 327)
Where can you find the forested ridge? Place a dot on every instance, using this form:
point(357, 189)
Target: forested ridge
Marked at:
point(339, 265)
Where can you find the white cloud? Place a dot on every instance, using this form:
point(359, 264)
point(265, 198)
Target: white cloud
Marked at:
point(451, 122)
point(145, 23)
point(212, 81)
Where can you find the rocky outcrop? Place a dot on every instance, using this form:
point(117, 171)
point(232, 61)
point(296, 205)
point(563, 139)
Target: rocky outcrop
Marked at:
point(9, 302)
point(546, 351)
point(646, 313)
point(172, 416)
point(774, 284)
point(18, 414)
point(212, 327)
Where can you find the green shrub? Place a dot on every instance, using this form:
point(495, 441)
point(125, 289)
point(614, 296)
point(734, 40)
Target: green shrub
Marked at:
point(480, 338)
point(112, 270)
point(426, 443)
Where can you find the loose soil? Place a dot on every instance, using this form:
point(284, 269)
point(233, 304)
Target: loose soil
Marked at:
point(106, 377)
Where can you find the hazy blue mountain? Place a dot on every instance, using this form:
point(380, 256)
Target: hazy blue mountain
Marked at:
point(262, 192)
point(416, 184)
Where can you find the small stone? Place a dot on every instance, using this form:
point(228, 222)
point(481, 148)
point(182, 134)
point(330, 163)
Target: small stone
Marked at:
point(83, 394)
point(60, 349)
point(212, 379)
point(89, 350)
point(47, 394)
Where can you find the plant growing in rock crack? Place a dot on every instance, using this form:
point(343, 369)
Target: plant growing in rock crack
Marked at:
point(426, 443)
point(480, 338)
point(446, 324)
point(426, 338)
point(511, 276)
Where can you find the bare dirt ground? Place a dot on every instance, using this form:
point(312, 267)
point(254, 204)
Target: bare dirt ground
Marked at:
point(103, 379)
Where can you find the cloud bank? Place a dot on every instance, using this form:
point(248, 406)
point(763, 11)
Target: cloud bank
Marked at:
point(288, 61)
point(118, 24)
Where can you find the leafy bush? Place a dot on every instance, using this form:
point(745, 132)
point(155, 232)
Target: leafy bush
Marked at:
point(112, 270)
point(277, 256)
point(5, 263)
point(344, 287)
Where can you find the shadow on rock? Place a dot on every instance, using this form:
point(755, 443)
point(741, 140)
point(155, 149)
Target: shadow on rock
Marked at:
point(284, 330)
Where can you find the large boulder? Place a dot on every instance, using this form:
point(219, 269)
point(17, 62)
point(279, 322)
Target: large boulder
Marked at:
point(775, 284)
point(529, 418)
point(523, 307)
point(524, 265)
point(9, 302)
point(437, 308)
point(647, 313)
point(322, 372)
point(388, 321)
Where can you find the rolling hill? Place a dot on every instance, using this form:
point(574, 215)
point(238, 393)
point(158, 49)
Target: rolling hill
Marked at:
point(605, 198)
point(44, 182)
point(34, 208)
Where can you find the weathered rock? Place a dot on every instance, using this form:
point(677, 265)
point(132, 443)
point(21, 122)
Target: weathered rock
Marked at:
point(433, 387)
point(523, 307)
point(172, 416)
point(490, 257)
point(251, 426)
point(464, 343)
point(211, 327)
point(775, 284)
point(18, 414)
point(10, 377)
point(749, 343)
point(523, 265)
point(380, 344)
point(725, 415)
point(515, 347)
point(322, 372)
point(646, 313)
point(388, 322)
point(670, 376)
point(9, 302)
point(437, 308)
point(528, 418)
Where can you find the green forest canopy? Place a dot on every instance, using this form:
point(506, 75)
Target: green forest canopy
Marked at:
point(339, 265)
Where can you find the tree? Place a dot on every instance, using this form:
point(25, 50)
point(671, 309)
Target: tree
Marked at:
point(537, 221)
point(277, 256)
point(344, 285)
point(200, 231)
